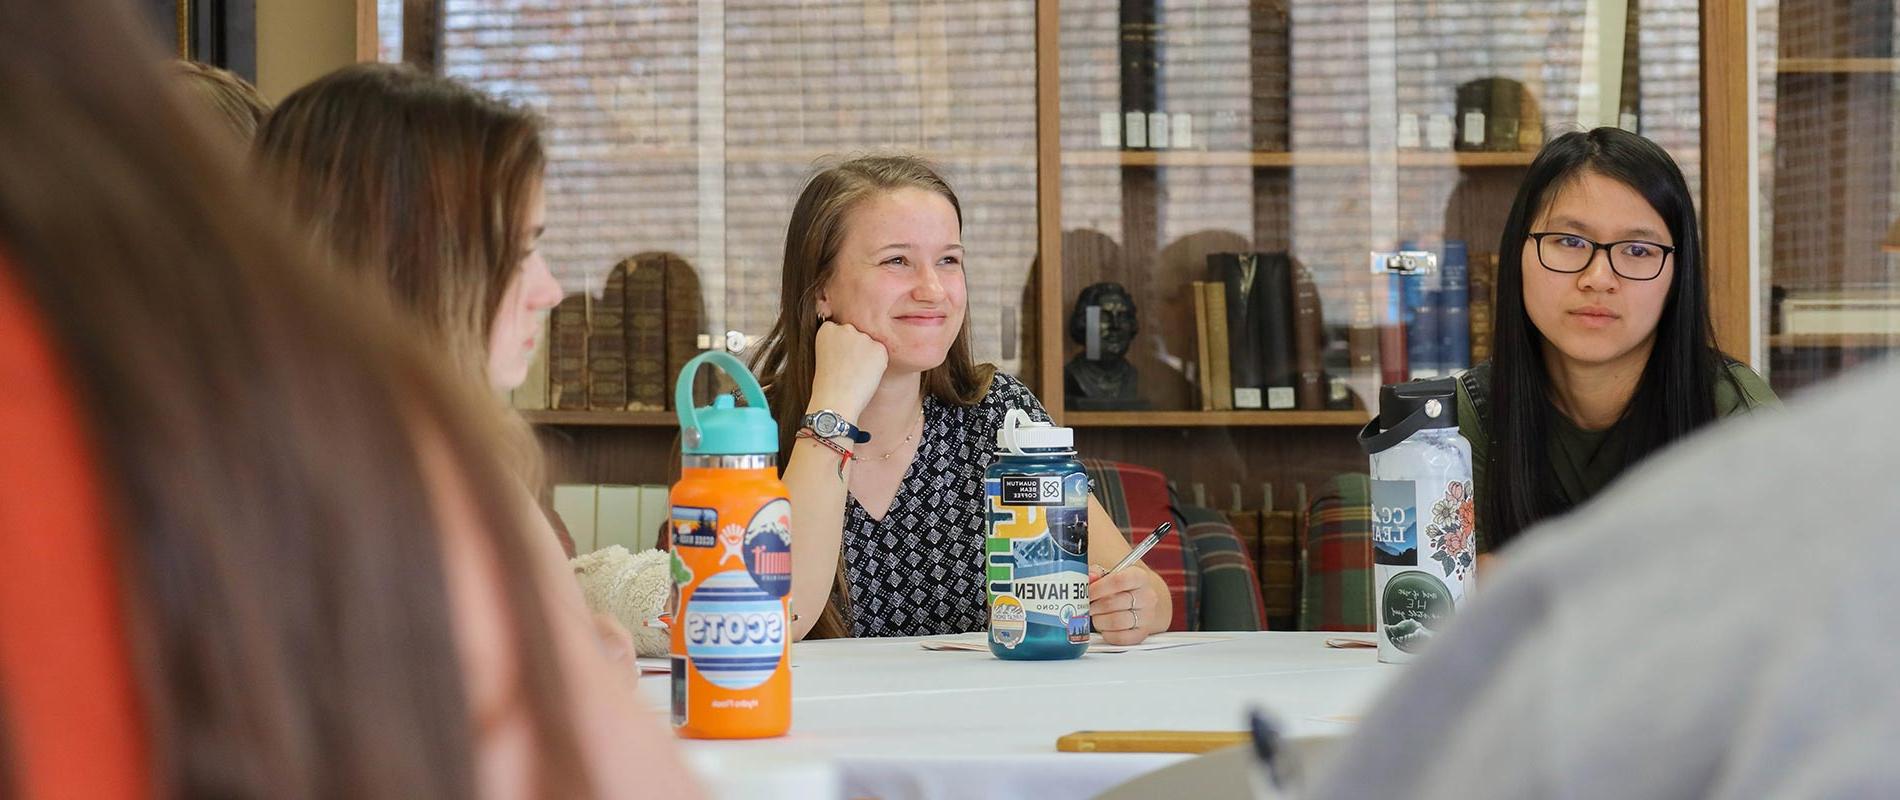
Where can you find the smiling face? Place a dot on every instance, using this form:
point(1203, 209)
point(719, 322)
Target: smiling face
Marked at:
point(898, 276)
point(1596, 316)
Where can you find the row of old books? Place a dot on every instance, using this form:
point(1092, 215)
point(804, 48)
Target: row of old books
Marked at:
point(622, 349)
point(1146, 120)
point(1437, 323)
point(1269, 535)
point(1261, 335)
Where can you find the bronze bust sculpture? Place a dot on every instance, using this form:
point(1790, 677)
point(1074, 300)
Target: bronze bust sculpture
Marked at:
point(1100, 378)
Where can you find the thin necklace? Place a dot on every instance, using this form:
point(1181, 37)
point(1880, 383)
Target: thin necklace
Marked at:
point(908, 438)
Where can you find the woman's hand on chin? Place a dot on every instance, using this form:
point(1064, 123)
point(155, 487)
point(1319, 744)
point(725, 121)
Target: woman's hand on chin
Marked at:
point(1121, 605)
point(850, 367)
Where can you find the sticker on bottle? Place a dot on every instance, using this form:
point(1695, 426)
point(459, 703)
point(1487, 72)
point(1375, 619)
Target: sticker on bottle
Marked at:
point(1417, 606)
point(1032, 490)
point(693, 527)
point(767, 547)
point(1394, 524)
point(735, 631)
point(1008, 623)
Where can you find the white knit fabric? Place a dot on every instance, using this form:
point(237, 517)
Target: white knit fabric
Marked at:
point(631, 588)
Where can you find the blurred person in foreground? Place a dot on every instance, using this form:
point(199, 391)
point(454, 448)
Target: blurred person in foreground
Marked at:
point(307, 571)
point(1713, 625)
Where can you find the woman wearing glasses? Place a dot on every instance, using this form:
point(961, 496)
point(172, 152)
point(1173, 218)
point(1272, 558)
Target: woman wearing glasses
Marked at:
point(1604, 352)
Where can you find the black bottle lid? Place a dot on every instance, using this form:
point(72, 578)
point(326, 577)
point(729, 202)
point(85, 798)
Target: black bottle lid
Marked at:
point(1407, 408)
point(1399, 400)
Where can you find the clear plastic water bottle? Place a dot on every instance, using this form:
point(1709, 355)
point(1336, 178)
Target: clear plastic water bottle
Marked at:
point(1037, 550)
point(1424, 552)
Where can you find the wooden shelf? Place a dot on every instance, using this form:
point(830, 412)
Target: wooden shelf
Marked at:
point(1834, 340)
point(1837, 65)
point(1522, 158)
point(801, 156)
point(1207, 419)
point(1311, 158)
point(625, 419)
point(1086, 419)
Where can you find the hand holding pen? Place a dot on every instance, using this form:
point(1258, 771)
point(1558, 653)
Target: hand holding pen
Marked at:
point(1119, 597)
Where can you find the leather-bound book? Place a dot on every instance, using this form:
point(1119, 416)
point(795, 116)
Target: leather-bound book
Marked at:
point(607, 345)
point(1273, 283)
point(1237, 276)
point(1309, 341)
point(647, 379)
point(567, 358)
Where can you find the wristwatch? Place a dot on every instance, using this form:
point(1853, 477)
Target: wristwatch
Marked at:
point(829, 424)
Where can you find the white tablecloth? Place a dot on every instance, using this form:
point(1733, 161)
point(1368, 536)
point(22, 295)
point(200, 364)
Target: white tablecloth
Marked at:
point(888, 719)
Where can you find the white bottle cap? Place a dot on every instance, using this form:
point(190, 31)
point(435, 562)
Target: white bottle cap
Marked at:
point(1021, 432)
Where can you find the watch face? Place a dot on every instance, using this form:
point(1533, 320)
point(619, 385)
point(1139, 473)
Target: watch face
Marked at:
point(825, 424)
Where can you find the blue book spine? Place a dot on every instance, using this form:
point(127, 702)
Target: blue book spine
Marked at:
point(1419, 309)
point(1410, 289)
point(1454, 322)
point(1421, 343)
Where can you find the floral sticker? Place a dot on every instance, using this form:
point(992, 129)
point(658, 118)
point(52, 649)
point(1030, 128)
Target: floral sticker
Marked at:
point(1454, 546)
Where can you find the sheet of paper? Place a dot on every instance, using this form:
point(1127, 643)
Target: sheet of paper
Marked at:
point(980, 642)
point(1349, 641)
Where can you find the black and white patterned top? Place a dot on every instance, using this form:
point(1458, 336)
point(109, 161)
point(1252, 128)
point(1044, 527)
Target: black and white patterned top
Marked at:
point(919, 572)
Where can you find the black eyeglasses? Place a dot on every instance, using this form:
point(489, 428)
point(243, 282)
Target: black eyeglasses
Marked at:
point(1634, 259)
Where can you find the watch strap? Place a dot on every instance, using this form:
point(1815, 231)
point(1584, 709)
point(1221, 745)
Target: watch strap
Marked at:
point(846, 430)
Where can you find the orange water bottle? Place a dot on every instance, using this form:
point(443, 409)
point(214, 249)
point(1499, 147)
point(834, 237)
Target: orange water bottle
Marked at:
point(732, 566)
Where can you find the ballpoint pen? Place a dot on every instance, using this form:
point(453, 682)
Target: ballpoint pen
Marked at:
point(1141, 549)
point(1266, 748)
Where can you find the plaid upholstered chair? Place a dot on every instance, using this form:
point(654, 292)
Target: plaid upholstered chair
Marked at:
point(1336, 556)
point(1210, 575)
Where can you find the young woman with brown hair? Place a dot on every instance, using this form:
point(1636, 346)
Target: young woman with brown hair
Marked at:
point(327, 584)
point(434, 190)
point(872, 328)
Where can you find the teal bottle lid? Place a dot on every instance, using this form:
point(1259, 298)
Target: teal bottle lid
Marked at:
point(724, 428)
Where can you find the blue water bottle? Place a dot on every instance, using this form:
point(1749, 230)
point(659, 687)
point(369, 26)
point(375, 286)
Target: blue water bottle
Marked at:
point(1037, 550)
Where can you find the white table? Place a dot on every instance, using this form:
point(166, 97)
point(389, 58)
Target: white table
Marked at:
point(895, 721)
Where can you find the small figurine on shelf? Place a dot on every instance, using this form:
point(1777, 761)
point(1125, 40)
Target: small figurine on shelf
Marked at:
point(1101, 378)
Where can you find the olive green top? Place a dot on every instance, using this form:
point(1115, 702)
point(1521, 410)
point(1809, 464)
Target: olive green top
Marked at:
point(1585, 461)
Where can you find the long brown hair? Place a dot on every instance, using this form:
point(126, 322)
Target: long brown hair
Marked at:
point(787, 360)
point(417, 181)
point(255, 424)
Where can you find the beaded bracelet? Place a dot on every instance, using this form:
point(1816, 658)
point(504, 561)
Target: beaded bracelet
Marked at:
point(844, 455)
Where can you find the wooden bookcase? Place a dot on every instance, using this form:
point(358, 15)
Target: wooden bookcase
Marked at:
point(1829, 180)
point(1219, 450)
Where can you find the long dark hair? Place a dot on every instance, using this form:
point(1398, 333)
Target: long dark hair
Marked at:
point(258, 431)
point(1675, 394)
point(788, 359)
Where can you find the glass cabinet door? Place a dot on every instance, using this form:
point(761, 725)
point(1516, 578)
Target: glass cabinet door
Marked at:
point(1829, 163)
point(682, 131)
point(1233, 166)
